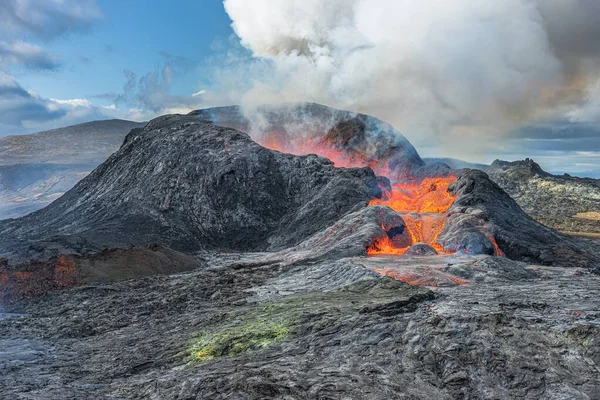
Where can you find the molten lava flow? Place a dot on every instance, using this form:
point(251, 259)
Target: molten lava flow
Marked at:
point(422, 206)
point(340, 158)
point(385, 246)
point(497, 250)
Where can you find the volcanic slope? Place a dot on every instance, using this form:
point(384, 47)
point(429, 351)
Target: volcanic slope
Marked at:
point(481, 217)
point(189, 185)
point(348, 139)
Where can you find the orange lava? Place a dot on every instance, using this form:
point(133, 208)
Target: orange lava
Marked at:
point(497, 250)
point(422, 206)
point(385, 246)
point(428, 196)
point(432, 276)
point(311, 146)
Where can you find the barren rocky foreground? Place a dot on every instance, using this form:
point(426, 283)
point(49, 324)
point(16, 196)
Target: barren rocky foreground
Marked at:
point(245, 329)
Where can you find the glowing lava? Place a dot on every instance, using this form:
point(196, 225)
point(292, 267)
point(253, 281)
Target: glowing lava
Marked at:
point(385, 245)
point(422, 204)
point(428, 196)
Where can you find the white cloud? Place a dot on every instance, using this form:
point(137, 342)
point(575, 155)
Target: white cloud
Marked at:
point(85, 103)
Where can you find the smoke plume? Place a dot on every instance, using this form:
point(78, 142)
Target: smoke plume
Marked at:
point(452, 72)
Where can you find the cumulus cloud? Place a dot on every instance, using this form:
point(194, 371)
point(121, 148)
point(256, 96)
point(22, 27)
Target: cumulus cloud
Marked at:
point(28, 55)
point(151, 92)
point(47, 19)
point(23, 22)
point(24, 111)
point(18, 105)
point(455, 71)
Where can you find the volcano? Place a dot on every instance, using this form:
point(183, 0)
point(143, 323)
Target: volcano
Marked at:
point(293, 252)
point(217, 180)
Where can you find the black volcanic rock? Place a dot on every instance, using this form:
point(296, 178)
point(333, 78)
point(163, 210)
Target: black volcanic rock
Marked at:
point(482, 211)
point(421, 249)
point(188, 184)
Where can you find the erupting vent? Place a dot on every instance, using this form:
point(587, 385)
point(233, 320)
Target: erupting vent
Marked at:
point(422, 207)
point(422, 203)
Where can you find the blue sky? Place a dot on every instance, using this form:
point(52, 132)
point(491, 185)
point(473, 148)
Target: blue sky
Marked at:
point(471, 80)
point(134, 35)
point(69, 61)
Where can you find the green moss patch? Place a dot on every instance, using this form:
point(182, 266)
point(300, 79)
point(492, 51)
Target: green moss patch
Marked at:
point(238, 340)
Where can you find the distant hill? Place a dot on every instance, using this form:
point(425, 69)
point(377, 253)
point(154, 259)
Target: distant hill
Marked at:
point(562, 202)
point(38, 168)
point(455, 163)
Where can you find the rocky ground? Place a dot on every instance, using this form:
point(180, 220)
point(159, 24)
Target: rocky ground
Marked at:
point(270, 292)
point(244, 328)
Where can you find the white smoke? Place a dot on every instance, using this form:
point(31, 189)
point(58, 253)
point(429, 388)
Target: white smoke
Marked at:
point(455, 72)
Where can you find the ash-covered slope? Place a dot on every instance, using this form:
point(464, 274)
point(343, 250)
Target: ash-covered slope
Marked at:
point(36, 169)
point(188, 184)
point(561, 202)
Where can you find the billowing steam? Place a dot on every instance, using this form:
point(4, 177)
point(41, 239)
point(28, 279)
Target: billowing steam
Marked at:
point(451, 70)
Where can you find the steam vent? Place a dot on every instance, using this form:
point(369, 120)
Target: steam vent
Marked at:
point(292, 252)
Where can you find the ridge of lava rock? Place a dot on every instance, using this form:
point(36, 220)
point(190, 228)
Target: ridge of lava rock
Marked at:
point(191, 185)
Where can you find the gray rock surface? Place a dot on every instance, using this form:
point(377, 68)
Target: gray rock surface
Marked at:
point(421, 249)
point(324, 330)
point(312, 318)
point(557, 201)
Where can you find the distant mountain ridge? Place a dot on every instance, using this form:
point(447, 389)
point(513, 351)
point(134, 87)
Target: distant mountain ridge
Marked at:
point(38, 168)
point(455, 163)
point(90, 142)
point(563, 202)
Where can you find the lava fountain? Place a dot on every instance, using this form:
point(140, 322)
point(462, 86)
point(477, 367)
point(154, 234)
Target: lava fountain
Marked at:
point(422, 205)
